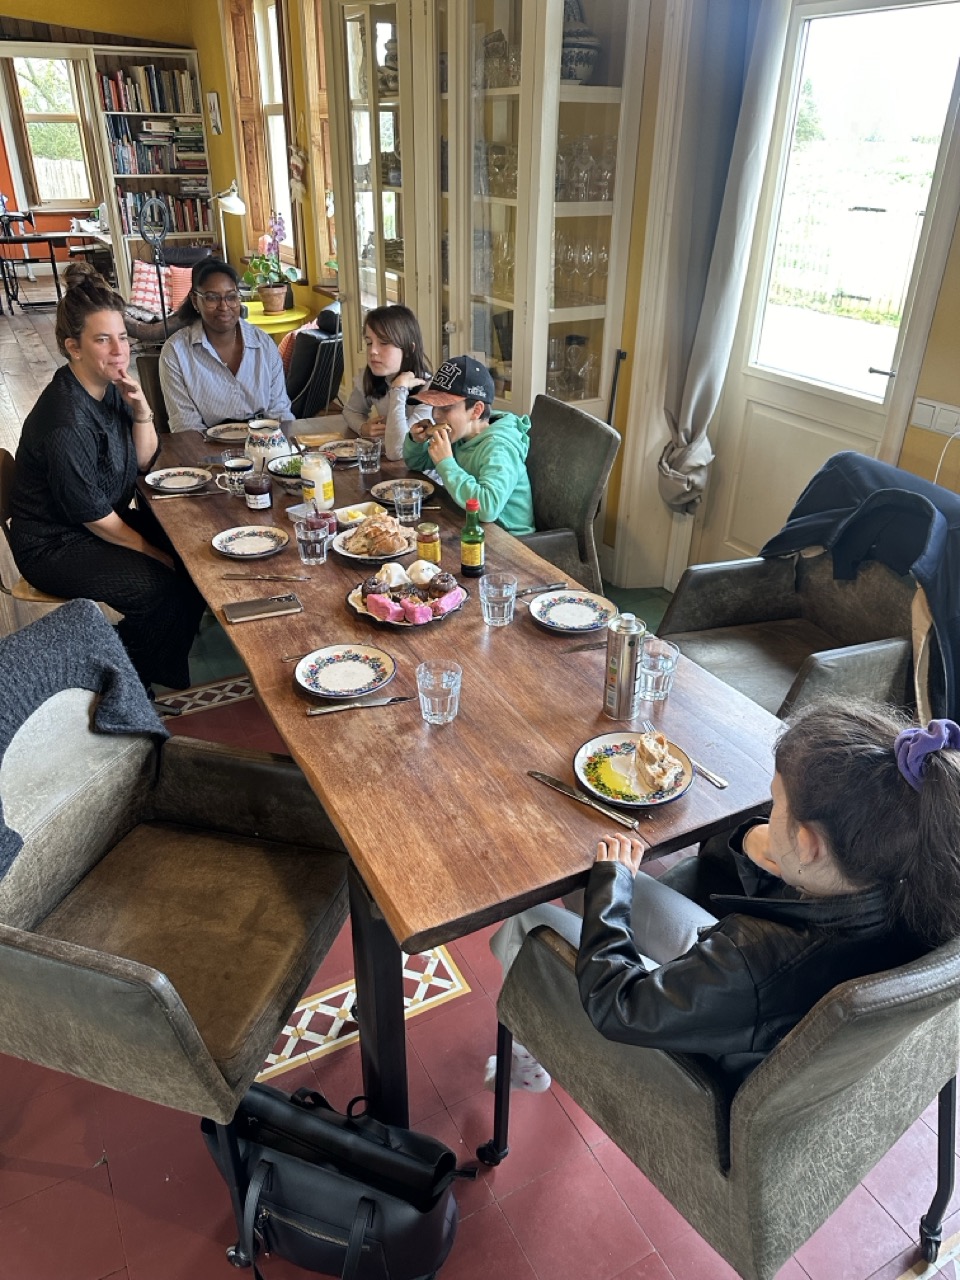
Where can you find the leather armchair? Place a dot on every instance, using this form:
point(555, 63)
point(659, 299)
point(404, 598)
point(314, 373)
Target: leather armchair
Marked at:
point(784, 631)
point(570, 459)
point(757, 1174)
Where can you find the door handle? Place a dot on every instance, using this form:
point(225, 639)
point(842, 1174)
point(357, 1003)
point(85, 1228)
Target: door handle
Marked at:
point(884, 373)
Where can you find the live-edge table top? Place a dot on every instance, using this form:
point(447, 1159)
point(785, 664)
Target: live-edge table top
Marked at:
point(442, 822)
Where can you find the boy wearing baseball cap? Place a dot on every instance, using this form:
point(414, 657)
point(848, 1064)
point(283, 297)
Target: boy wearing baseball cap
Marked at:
point(476, 456)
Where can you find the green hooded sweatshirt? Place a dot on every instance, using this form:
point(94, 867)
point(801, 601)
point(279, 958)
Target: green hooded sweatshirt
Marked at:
point(490, 466)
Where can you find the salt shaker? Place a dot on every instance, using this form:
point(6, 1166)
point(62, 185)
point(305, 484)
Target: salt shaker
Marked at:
point(621, 689)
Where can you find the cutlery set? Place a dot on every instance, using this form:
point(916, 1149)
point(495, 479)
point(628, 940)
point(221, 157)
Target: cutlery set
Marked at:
point(536, 591)
point(267, 577)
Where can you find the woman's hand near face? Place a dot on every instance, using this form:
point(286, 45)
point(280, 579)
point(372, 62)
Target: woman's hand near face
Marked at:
point(626, 849)
point(439, 447)
point(132, 393)
point(407, 379)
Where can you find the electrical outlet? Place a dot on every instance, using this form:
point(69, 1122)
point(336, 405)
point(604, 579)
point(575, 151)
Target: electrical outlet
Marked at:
point(947, 419)
point(923, 413)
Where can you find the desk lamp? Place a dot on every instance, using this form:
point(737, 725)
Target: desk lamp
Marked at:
point(227, 202)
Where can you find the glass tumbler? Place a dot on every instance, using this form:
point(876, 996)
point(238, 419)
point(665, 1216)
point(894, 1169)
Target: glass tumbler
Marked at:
point(438, 684)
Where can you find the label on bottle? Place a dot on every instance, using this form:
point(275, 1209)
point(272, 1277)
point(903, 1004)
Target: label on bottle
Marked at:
point(471, 555)
point(327, 491)
point(259, 501)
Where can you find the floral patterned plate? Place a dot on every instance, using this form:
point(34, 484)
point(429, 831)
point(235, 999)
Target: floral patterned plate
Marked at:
point(178, 479)
point(571, 612)
point(595, 767)
point(250, 541)
point(342, 453)
point(228, 432)
point(383, 491)
point(345, 670)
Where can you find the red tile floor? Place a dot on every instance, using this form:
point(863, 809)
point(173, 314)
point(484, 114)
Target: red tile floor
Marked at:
point(98, 1186)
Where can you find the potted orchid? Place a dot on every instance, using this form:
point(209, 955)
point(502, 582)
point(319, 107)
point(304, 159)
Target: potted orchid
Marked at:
point(266, 273)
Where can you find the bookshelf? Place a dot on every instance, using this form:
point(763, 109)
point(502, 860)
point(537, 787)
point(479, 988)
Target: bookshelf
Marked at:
point(150, 111)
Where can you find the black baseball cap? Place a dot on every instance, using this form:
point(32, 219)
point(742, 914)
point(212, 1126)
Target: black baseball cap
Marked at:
point(461, 378)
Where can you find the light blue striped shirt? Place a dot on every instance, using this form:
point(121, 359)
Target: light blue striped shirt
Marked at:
point(200, 391)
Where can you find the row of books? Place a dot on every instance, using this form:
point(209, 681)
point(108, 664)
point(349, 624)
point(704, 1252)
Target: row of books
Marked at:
point(187, 213)
point(156, 146)
point(149, 88)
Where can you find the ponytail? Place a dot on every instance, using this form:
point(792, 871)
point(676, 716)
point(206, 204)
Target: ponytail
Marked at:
point(839, 769)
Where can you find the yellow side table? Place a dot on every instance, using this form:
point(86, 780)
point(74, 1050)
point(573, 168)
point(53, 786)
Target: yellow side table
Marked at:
point(280, 323)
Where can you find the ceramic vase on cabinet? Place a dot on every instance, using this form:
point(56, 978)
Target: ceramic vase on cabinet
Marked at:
point(581, 48)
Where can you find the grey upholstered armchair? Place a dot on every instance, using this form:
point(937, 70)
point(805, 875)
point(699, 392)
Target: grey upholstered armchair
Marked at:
point(755, 1176)
point(571, 455)
point(784, 631)
point(162, 905)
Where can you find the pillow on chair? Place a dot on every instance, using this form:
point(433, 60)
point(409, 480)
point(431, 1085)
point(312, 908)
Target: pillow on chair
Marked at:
point(179, 286)
point(145, 290)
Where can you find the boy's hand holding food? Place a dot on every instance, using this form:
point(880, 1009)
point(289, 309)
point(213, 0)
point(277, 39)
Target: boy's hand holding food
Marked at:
point(439, 446)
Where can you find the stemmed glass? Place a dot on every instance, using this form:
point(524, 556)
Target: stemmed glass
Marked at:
point(585, 268)
point(575, 357)
point(603, 263)
point(497, 160)
point(581, 173)
point(605, 168)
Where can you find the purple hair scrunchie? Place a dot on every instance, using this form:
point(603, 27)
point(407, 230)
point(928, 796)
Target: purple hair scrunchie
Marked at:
point(912, 746)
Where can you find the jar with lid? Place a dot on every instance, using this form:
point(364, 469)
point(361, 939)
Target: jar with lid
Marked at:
point(258, 490)
point(317, 480)
point(428, 542)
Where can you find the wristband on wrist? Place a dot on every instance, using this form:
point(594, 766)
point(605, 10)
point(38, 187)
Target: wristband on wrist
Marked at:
point(148, 418)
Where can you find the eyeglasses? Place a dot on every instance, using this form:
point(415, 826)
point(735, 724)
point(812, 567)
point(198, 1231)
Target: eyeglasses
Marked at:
point(214, 299)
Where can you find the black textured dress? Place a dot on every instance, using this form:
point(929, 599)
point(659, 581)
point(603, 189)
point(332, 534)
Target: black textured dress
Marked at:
point(76, 463)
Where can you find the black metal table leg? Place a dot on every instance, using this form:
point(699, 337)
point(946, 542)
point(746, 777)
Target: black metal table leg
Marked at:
point(378, 968)
point(931, 1224)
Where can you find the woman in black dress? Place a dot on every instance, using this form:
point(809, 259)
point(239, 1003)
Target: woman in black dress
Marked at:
point(73, 531)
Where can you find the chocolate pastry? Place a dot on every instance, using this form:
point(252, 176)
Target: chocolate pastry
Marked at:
point(409, 592)
point(441, 585)
point(372, 587)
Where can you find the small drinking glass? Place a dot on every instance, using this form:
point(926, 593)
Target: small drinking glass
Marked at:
point(498, 595)
point(658, 665)
point(368, 455)
point(438, 684)
point(407, 496)
point(311, 542)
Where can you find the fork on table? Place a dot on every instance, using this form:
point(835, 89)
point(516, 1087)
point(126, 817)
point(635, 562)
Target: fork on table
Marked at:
point(650, 727)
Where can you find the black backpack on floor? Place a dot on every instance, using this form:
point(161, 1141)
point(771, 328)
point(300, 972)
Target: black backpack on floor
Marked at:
point(342, 1195)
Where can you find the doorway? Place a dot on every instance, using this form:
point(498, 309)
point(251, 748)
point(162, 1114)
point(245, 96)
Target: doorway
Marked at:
point(858, 161)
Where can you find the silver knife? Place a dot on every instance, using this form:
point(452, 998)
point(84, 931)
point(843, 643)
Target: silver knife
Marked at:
point(631, 823)
point(205, 493)
point(585, 648)
point(267, 577)
point(351, 706)
point(535, 591)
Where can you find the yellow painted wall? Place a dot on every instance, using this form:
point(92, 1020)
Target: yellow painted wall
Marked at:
point(166, 21)
point(940, 372)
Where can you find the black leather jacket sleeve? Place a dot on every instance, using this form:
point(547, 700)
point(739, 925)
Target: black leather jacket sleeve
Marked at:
point(704, 1002)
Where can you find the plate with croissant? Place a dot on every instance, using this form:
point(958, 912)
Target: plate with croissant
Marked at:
point(633, 768)
point(377, 538)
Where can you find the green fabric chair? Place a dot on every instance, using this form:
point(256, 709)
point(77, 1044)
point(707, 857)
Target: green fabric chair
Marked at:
point(758, 1174)
point(569, 463)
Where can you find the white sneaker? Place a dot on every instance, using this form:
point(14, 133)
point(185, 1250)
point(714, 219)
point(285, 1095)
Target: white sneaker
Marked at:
point(525, 1072)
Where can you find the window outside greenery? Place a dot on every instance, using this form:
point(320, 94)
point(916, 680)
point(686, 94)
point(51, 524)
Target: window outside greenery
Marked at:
point(53, 130)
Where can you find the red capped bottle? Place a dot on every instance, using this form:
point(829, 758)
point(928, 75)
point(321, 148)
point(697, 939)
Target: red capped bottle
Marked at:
point(471, 542)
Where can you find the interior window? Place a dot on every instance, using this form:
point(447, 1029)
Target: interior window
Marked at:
point(270, 64)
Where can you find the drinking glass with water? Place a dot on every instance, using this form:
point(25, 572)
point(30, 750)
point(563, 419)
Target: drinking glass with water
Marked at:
point(438, 684)
point(658, 664)
point(498, 595)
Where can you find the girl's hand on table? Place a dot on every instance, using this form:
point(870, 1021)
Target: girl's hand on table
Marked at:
point(756, 844)
point(439, 446)
point(626, 849)
point(373, 429)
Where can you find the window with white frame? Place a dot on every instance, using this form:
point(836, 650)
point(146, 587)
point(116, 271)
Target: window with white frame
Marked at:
point(53, 149)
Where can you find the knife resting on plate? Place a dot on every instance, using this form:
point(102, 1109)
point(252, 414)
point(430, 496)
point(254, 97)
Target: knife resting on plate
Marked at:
point(630, 823)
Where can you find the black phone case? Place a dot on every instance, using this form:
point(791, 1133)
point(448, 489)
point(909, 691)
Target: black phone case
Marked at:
point(268, 607)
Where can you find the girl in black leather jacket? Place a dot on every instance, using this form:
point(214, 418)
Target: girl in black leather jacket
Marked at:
point(856, 870)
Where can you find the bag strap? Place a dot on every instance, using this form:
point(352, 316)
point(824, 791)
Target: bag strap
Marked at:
point(258, 1184)
point(362, 1223)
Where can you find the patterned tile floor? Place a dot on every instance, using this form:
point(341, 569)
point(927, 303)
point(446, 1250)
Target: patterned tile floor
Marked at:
point(98, 1186)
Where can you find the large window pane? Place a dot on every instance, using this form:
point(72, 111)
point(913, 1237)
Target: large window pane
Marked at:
point(53, 131)
point(58, 162)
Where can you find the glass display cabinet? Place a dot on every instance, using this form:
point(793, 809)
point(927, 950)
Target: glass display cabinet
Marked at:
point(517, 209)
point(538, 137)
point(376, 117)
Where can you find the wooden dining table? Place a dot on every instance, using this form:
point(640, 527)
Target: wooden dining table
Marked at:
point(445, 829)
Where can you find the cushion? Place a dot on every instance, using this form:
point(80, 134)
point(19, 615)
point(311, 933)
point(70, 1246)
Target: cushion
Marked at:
point(180, 284)
point(145, 289)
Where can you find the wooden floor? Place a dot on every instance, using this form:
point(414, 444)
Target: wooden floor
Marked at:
point(28, 358)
